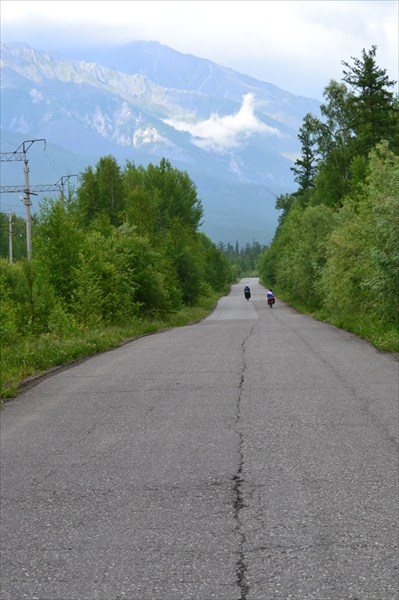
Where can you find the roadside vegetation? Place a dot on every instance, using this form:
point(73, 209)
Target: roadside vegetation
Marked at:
point(120, 258)
point(123, 256)
point(335, 253)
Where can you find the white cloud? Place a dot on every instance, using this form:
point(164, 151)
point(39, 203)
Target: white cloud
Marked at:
point(221, 133)
point(296, 44)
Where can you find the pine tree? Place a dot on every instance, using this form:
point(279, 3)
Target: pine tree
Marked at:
point(373, 107)
point(306, 166)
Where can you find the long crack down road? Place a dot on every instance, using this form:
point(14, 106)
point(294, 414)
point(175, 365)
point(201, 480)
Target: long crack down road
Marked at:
point(251, 455)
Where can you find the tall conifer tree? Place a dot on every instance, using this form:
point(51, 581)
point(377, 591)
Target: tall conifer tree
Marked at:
point(372, 105)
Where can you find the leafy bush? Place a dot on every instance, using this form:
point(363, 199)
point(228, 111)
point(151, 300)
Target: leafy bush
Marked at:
point(8, 314)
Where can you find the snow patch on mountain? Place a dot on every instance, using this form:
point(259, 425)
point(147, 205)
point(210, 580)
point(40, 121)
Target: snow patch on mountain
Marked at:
point(148, 135)
point(36, 95)
point(233, 166)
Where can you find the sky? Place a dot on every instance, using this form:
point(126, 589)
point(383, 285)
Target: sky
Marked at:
point(297, 45)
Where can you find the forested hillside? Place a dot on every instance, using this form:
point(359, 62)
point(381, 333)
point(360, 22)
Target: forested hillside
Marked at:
point(335, 252)
point(120, 257)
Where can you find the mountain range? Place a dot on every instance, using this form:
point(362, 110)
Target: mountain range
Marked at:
point(236, 137)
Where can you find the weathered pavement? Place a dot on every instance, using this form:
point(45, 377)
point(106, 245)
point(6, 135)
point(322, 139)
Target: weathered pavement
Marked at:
point(253, 455)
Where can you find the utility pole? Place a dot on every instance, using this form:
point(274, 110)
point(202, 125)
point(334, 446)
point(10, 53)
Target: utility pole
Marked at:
point(22, 155)
point(10, 235)
point(27, 203)
point(61, 183)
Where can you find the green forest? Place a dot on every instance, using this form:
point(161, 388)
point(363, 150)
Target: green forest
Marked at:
point(123, 255)
point(335, 252)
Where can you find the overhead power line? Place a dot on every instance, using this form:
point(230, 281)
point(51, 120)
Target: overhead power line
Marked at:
point(21, 155)
point(35, 189)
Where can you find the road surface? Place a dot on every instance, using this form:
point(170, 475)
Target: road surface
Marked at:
point(252, 455)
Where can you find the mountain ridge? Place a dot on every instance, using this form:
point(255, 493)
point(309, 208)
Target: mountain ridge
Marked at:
point(218, 127)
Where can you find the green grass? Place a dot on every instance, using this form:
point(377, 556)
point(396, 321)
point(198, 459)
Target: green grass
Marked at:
point(381, 335)
point(31, 356)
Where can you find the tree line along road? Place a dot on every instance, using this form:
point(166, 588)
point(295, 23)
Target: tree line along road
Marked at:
point(252, 455)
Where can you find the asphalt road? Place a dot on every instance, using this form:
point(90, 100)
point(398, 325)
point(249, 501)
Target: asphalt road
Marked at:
point(251, 455)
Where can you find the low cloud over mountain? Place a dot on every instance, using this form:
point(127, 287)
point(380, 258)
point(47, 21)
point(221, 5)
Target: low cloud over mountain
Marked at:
point(225, 132)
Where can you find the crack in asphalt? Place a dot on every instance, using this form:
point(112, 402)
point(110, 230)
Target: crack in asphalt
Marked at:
point(239, 480)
